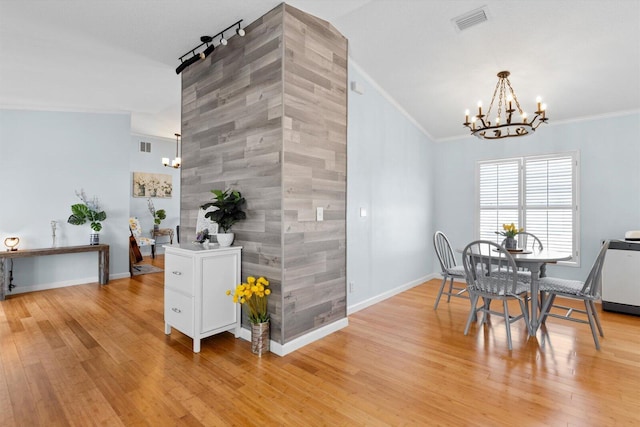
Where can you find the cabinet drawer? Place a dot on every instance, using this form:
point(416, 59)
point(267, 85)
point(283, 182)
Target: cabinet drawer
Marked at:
point(178, 273)
point(178, 311)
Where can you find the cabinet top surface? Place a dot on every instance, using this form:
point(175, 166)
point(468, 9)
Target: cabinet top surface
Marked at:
point(198, 248)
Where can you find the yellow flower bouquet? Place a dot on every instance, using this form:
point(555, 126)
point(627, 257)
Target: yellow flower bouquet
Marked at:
point(509, 230)
point(253, 293)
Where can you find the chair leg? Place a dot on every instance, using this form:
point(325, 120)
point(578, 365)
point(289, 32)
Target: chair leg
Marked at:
point(153, 251)
point(472, 313)
point(544, 310)
point(444, 282)
point(524, 306)
point(507, 321)
point(596, 316)
point(450, 290)
point(590, 315)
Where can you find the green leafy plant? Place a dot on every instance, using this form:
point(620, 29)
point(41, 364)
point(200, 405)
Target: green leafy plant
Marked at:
point(87, 211)
point(229, 204)
point(158, 215)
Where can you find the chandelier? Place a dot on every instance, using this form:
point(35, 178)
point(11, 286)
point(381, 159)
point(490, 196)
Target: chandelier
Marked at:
point(504, 125)
point(175, 163)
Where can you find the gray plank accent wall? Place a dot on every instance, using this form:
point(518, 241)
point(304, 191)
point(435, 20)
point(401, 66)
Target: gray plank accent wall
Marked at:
point(314, 173)
point(266, 115)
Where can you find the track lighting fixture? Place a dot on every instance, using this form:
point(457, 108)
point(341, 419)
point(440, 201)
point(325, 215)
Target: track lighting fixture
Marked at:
point(208, 42)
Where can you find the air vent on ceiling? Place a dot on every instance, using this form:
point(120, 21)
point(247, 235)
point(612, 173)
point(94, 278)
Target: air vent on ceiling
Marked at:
point(469, 19)
point(145, 147)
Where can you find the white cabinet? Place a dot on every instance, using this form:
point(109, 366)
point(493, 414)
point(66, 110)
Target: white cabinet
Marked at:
point(195, 284)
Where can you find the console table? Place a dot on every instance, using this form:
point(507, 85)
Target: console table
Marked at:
point(6, 257)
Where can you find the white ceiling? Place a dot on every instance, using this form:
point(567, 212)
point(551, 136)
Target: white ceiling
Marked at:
point(581, 56)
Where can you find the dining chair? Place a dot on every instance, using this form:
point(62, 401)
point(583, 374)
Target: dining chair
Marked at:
point(493, 284)
point(587, 291)
point(450, 270)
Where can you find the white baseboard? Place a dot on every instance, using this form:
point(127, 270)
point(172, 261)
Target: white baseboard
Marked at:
point(388, 294)
point(22, 289)
point(291, 346)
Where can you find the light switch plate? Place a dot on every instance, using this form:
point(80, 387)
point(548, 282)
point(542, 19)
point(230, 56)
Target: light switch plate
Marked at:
point(319, 213)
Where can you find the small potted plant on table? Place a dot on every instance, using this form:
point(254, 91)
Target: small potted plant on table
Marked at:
point(88, 211)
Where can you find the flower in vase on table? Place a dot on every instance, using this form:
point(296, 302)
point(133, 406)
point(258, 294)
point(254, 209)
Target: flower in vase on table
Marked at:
point(510, 230)
point(254, 294)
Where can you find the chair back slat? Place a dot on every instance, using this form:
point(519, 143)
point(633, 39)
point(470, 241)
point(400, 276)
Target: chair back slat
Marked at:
point(443, 251)
point(593, 284)
point(530, 241)
point(490, 268)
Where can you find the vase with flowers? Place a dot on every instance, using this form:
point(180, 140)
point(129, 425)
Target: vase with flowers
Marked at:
point(254, 295)
point(510, 231)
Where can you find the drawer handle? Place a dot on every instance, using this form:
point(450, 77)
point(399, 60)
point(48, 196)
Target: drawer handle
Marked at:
point(177, 273)
point(177, 310)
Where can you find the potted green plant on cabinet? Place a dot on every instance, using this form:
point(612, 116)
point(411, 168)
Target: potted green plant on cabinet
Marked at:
point(229, 211)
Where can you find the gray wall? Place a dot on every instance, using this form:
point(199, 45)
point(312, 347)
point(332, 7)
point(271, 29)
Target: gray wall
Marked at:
point(266, 115)
point(46, 156)
point(609, 182)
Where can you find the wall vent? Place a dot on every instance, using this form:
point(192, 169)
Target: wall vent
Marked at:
point(145, 147)
point(470, 19)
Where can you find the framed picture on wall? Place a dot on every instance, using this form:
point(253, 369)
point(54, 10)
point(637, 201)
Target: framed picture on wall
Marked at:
point(152, 185)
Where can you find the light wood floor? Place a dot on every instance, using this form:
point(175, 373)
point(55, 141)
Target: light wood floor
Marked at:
point(90, 355)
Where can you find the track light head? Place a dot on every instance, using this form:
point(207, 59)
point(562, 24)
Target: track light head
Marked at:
point(208, 51)
point(206, 39)
point(240, 31)
point(223, 41)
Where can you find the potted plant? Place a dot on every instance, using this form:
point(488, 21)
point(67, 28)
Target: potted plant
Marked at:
point(88, 211)
point(510, 231)
point(158, 215)
point(229, 211)
point(254, 294)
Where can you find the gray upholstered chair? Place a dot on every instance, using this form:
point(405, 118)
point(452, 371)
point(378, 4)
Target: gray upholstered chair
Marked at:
point(587, 291)
point(500, 283)
point(450, 270)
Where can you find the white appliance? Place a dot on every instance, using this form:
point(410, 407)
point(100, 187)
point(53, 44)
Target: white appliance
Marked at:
point(621, 277)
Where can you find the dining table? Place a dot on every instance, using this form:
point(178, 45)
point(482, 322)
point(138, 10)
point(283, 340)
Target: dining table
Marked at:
point(534, 260)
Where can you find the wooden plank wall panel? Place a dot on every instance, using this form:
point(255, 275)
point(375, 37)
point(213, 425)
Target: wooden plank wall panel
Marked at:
point(235, 135)
point(232, 138)
point(314, 173)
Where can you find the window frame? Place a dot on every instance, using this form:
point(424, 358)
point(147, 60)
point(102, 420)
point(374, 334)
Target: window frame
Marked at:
point(521, 161)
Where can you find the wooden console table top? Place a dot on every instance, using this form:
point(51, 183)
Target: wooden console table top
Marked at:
point(6, 271)
point(23, 253)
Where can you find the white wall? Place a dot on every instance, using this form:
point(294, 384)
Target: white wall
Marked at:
point(152, 163)
point(609, 182)
point(45, 157)
point(390, 175)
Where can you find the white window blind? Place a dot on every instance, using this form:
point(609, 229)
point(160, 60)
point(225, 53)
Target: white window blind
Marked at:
point(536, 193)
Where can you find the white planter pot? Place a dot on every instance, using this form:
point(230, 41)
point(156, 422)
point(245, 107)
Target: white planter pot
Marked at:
point(225, 239)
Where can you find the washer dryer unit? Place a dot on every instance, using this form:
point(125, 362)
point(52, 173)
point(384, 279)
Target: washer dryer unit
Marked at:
point(621, 277)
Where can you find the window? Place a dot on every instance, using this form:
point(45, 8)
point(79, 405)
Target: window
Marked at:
point(537, 193)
